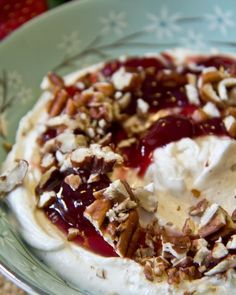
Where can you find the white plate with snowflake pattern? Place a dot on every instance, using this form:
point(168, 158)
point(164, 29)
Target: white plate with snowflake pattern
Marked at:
point(72, 37)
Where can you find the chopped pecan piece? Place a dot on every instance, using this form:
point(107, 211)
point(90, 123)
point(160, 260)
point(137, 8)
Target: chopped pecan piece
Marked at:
point(96, 158)
point(74, 181)
point(58, 103)
point(72, 233)
point(148, 271)
point(101, 273)
point(114, 214)
point(222, 266)
point(216, 223)
point(231, 245)
point(70, 107)
point(96, 212)
point(46, 199)
point(55, 80)
point(234, 216)
point(219, 250)
point(146, 198)
point(189, 227)
point(130, 226)
point(105, 87)
point(47, 161)
point(199, 208)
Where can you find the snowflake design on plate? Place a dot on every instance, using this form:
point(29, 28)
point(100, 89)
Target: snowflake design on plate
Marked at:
point(25, 95)
point(70, 43)
point(114, 23)
point(14, 80)
point(193, 40)
point(163, 25)
point(220, 20)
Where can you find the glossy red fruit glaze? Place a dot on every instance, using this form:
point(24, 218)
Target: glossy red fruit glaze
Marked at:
point(132, 63)
point(67, 211)
point(167, 130)
point(72, 90)
point(49, 134)
point(217, 61)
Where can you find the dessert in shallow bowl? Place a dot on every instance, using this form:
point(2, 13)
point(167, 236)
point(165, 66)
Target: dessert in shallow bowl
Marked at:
point(121, 180)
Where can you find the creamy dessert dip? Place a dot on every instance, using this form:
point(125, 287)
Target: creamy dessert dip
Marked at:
point(123, 175)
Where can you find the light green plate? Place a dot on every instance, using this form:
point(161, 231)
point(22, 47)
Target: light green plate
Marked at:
point(74, 36)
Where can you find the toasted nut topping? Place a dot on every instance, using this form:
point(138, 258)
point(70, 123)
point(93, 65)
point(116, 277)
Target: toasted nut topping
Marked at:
point(234, 215)
point(93, 178)
point(148, 271)
point(124, 100)
point(58, 103)
point(122, 79)
point(209, 94)
point(126, 142)
point(230, 125)
point(211, 110)
point(74, 181)
point(201, 255)
point(129, 226)
point(230, 111)
point(208, 214)
point(96, 212)
point(14, 177)
point(101, 273)
point(55, 80)
point(142, 107)
point(46, 176)
point(189, 227)
point(227, 263)
point(219, 251)
point(211, 222)
point(119, 211)
point(46, 198)
point(48, 160)
point(70, 107)
point(222, 87)
point(231, 245)
point(192, 94)
point(116, 190)
point(211, 75)
point(72, 233)
point(199, 208)
point(104, 87)
point(67, 142)
point(146, 197)
point(199, 115)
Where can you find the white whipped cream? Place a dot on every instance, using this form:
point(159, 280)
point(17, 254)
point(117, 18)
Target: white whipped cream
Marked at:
point(176, 168)
point(206, 164)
